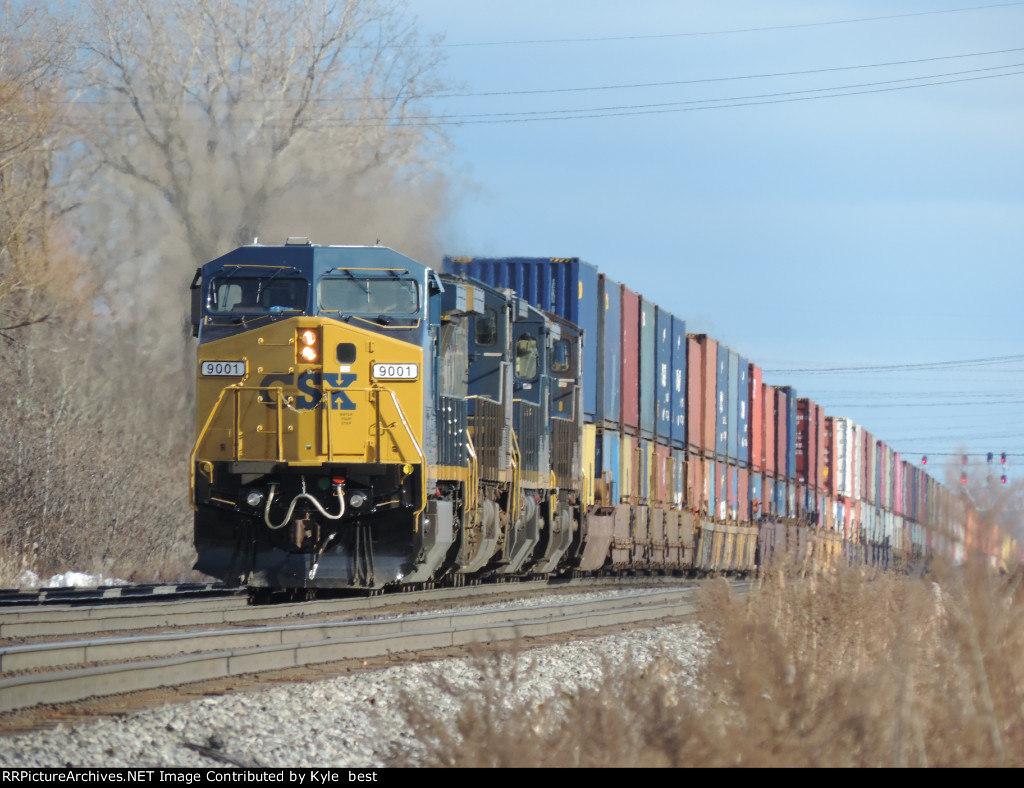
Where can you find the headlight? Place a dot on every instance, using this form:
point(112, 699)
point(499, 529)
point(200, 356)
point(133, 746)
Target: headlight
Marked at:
point(307, 345)
point(356, 500)
point(254, 498)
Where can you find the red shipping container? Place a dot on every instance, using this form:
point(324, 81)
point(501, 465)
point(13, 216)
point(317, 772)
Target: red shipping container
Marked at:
point(755, 423)
point(768, 422)
point(803, 440)
point(828, 452)
point(694, 481)
point(662, 454)
point(630, 355)
point(702, 372)
point(694, 396)
point(808, 453)
point(821, 477)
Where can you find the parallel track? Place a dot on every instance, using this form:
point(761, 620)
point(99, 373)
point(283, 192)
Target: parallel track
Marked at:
point(68, 671)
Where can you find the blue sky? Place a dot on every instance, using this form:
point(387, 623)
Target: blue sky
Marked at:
point(883, 228)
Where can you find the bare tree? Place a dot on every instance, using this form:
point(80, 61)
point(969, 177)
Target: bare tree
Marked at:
point(211, 119)
point(33, 53)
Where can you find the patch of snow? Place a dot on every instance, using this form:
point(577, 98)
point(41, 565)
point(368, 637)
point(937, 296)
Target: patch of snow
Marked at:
point(72, 579)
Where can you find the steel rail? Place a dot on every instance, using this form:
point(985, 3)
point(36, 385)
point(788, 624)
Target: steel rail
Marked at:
point(255, 650)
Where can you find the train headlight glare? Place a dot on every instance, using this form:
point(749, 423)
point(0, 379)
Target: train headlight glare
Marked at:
point(308, 345)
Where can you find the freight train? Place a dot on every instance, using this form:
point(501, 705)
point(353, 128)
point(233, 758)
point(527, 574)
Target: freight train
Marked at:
point(363, 421)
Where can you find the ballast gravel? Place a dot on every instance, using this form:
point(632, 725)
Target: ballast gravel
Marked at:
point(354, 721)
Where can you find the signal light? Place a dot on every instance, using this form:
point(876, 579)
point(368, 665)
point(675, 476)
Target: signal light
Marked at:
point(924, 460)
point(990, 456)
point(307, 345)
point(963, 478)
point(1002, 458)
point(1003, 478)
point(964, 457)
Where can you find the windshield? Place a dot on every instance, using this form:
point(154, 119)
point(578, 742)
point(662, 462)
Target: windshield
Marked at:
point(369, 296)
point(257, 295)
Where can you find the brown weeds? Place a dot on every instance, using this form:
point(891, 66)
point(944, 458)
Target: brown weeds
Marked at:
point(853, 668)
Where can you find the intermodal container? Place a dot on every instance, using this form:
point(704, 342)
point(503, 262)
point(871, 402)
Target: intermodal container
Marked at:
point(828, 459)
point(702, 363)
point(630, 339)
point(768, 447)
point(757, 507)
point(698, 483)
point(662, 475)
point(743, 412)
point(755, 430)
point(710, 486)
point(648, 378)
point(822, 472)
point(722, 488)
point(807, 439)
point(679, 474)
point(722, 403)
point(678, 382)
point(628, 477)
point(733, 408)
point(608, 464)
point(898, 485)
point(609, 359)
point(781, 432)
point(790, 427)
point(743, 495)
point(663, 375)
point(566, 286)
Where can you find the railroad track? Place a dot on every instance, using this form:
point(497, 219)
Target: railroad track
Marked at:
point(36, 673)
point(99, 595)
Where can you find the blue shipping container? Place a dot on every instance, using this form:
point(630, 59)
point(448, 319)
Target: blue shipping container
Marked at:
point(678, 380)
point(722, 403)
point(648, 374)
point(733, 407)
point(608, 460)
point(790, 469)
point(609, 351)
point(663, 374)
point(743, 414)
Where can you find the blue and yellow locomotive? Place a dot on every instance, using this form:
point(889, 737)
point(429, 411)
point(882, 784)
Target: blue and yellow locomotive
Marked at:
point(364, 421)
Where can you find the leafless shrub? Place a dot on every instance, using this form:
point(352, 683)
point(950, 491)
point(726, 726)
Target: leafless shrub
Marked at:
point(852, 668)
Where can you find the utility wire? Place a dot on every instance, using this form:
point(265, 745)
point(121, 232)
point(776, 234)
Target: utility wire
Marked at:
point(970, 362)
point(730, 31)
point(707, 80)
point(630, 107)
point(592, 88)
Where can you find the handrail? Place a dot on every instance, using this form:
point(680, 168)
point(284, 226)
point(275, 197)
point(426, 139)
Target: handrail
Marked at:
point(416, 446)
point(472, 486)
point(513, 505)
point(236, 389)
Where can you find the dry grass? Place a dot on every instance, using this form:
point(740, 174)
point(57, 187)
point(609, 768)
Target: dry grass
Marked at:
point(846, 669)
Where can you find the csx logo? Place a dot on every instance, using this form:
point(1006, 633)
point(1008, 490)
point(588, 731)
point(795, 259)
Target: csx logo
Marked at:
point(310, 385)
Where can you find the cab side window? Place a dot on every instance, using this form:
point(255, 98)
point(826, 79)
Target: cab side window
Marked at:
point(526, 357)
point(486, 328)
point(561, 356)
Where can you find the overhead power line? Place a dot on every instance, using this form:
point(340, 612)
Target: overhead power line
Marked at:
point(728, 31)
point(709, 80)
point(970, 362)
